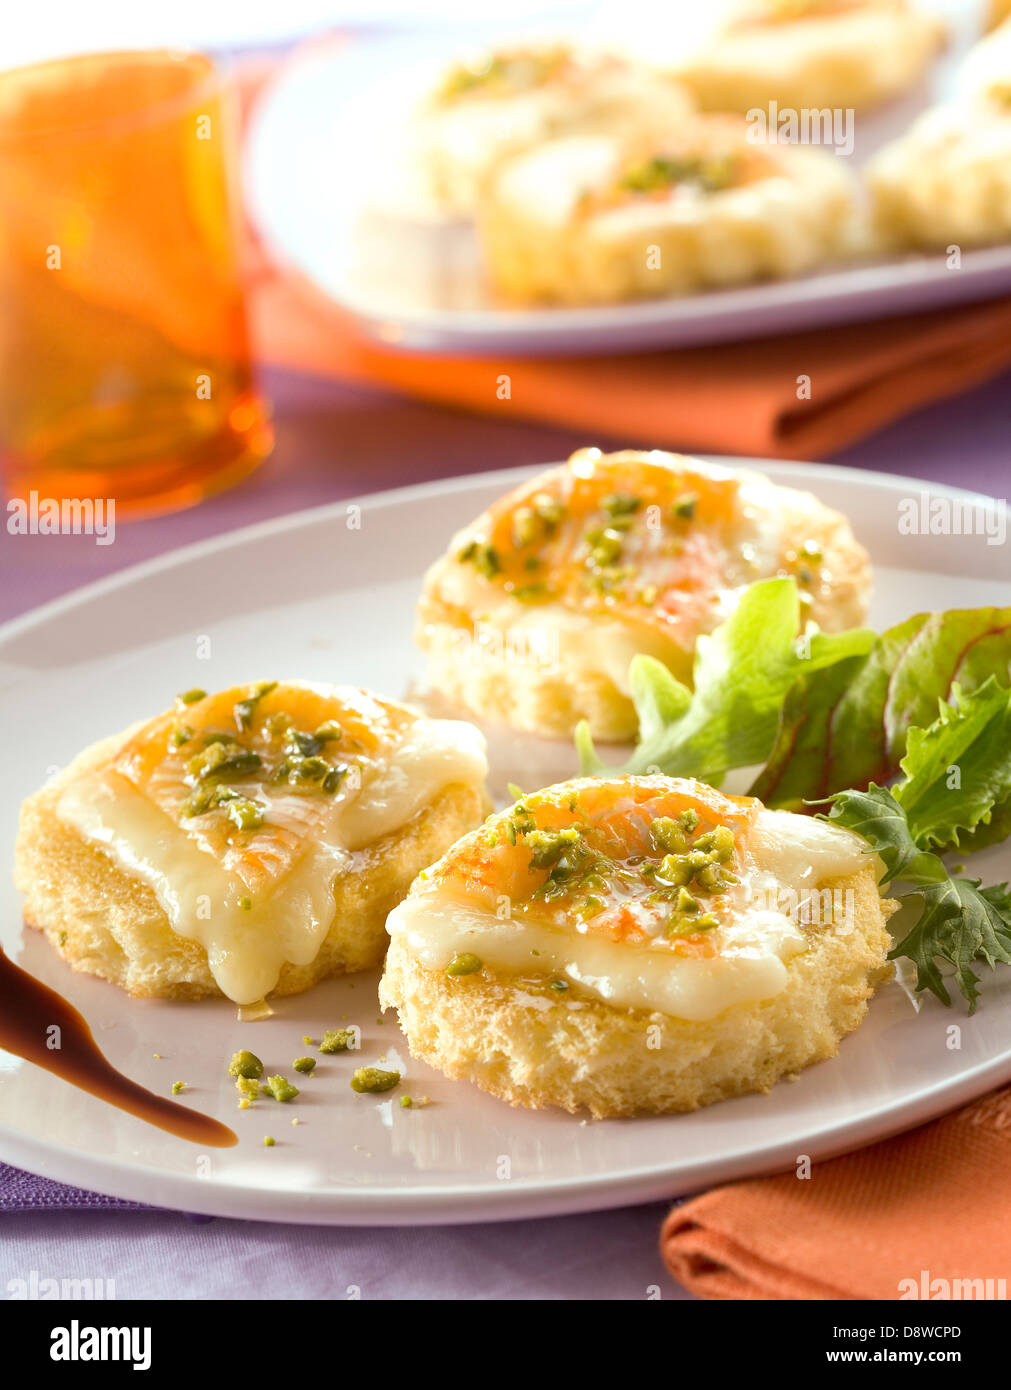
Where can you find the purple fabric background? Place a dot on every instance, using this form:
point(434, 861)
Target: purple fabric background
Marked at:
point(337, 441)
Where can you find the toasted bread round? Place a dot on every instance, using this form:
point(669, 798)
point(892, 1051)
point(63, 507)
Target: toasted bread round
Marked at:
point(532, 1046)
point(106, 921)
point(946, 183)
point(813, 54)
point(524, 633)
point(499, 104)
point(597, 219)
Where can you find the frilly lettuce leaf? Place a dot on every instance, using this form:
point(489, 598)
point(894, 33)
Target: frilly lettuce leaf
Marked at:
point(959, 921)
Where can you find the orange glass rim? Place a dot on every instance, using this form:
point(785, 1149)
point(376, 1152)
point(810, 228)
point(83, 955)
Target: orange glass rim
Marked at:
point(209, 76)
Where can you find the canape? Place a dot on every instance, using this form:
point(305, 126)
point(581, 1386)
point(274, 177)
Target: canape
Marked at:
point(637, 945)
point(946, 184)
point(811, 53)
point(603, 219)
point(533, 615)
point(500, 103)
point(246, 843)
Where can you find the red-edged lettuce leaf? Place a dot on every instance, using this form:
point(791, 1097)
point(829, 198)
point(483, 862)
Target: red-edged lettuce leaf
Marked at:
point(847, 726)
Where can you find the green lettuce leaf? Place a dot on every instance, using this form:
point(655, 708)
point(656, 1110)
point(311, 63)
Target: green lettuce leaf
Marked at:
point(958, 771)
point(848, 727)
point(742, 674)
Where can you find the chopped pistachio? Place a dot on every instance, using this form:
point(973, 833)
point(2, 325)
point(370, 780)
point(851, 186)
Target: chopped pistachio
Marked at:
point(531, 593)
point(181, 734)
point(190, 697)
point(311, 773)
point(223, 759)
point(689, 926)
point(301, 744)
point(207, 797)
point(246, 814)
point(269, 1141)
point(689, 819)
point(246, 904)
point(245, 1064)
point(621, 504)
point(62, 938)
point(304, 1064)
point(605, 546)
point(281, 1088)
point(464, 963)
point(374, 1079)
point(549, 509)
point(307, 1040)
point(178, 1086)
point(247, 1087)
point(548, 846)
point(589, 907)
point(667, 835)
point(406, 1102)
point(719, 843)
point(336, 1040)
point(245, 710)
point(329, 731)
point(483, 557)
point(684, 507)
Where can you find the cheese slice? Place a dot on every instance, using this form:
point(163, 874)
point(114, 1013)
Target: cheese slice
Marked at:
point(248, 938)
point(788, 857)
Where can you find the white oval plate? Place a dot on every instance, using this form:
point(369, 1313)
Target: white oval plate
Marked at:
point(307, 595)
point(329, 189)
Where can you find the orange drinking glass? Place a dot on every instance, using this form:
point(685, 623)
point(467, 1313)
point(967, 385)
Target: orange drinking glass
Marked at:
point(124, 358)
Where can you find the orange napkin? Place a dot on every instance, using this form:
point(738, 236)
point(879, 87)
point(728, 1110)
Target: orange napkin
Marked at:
point(738, 398)
point(929, 1207)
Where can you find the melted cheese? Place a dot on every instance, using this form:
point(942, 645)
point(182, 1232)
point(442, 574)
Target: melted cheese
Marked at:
point(553, 637)
point(789, 856)
point(247, 946)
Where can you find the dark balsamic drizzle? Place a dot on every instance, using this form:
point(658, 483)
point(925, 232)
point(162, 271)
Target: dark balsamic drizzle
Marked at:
point(29, 1009)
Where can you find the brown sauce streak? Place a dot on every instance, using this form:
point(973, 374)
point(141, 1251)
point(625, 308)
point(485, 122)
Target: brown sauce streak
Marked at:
point(28, 1009)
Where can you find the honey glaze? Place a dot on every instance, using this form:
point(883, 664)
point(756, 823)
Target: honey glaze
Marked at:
point(29, 1010)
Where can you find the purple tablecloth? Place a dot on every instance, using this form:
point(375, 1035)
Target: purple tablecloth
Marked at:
point(337, 441)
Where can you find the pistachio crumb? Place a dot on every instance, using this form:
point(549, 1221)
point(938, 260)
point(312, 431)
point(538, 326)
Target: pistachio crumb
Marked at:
point(336, 1040)
point(304, 1064)
point(245, 1064)
point(269, 1141)
point(281, 1088)
point(374, 1079)
point(464, 963)
point(177, 1087)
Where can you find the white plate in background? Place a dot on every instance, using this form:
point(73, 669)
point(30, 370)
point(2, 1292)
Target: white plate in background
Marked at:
point(328, 187)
